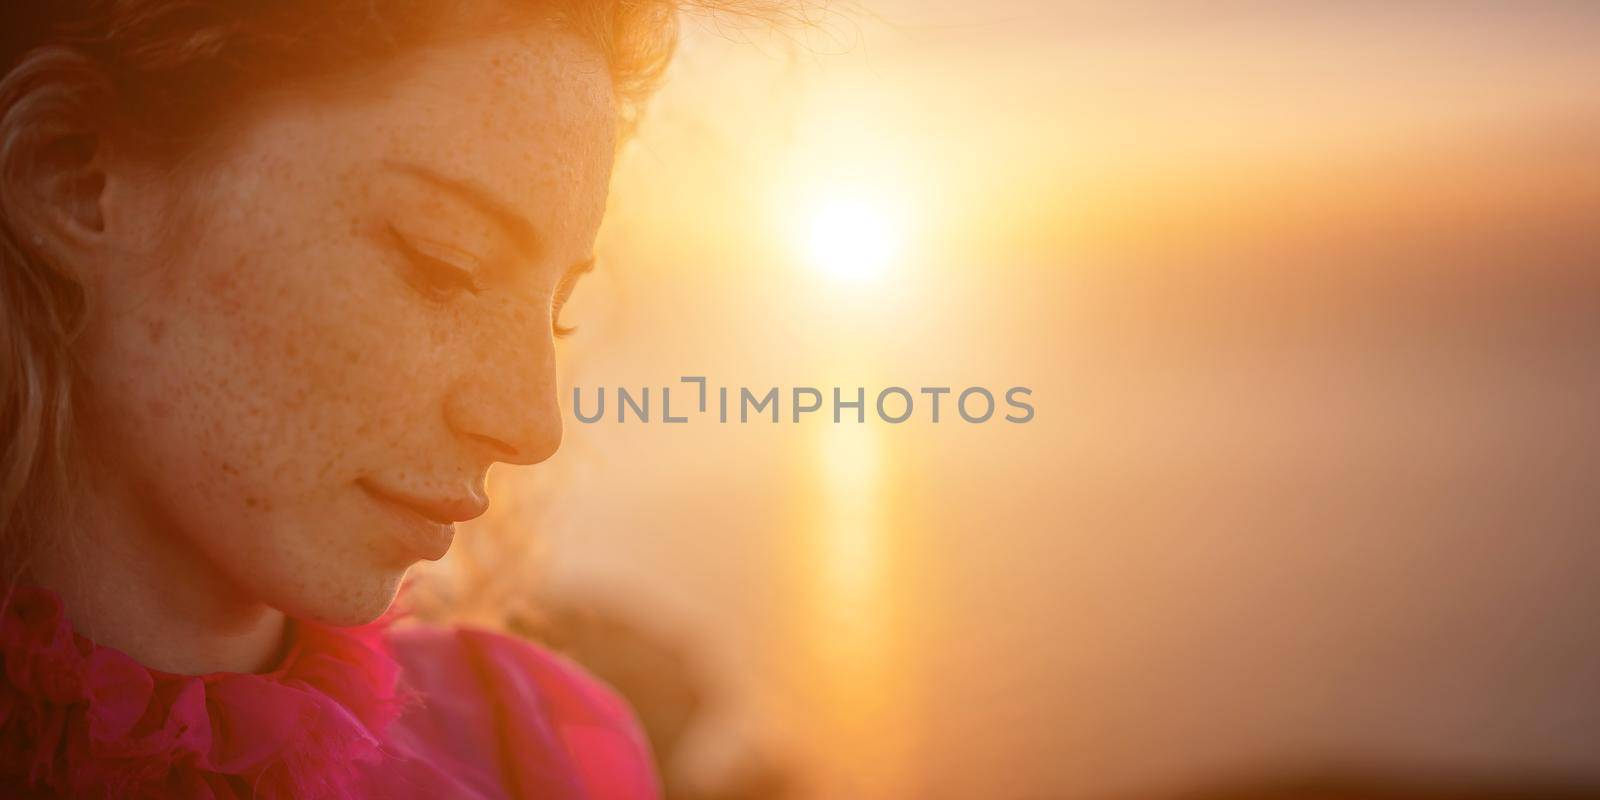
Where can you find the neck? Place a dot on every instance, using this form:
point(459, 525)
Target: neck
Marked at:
point(128, 583)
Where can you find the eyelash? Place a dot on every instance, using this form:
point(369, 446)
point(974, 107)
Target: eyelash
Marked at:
point(437, 279)
point(563, 294)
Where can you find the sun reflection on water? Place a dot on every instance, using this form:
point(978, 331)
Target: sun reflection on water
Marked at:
point(854, 642)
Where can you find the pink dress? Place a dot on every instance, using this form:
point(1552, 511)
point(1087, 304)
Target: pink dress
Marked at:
point(377, 711)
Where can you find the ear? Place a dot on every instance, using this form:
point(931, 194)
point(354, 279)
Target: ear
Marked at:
point(53, 115)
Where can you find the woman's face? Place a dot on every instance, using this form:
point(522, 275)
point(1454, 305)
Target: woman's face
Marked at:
point(322, 329)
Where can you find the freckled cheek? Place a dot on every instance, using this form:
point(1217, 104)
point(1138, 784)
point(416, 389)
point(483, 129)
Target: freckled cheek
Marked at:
point(297, 349)
point(376, 356)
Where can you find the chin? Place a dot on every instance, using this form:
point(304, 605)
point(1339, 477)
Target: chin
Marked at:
point(346, 600)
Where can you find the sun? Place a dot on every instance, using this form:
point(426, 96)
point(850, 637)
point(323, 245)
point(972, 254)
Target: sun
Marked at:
point(853, 237)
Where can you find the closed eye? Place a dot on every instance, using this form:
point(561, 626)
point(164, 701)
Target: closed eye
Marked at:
point(431, 273)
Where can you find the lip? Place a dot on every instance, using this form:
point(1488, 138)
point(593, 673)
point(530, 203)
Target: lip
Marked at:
point(424, 528)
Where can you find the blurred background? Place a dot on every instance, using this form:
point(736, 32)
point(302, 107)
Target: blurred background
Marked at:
point(1308, 296)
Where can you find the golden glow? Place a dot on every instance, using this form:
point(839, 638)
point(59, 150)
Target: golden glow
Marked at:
point(853, 237)
point(852, 615)
point(1128, 215)
point(849, 467)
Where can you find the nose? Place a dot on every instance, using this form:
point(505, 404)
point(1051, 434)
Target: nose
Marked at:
point(506, 408)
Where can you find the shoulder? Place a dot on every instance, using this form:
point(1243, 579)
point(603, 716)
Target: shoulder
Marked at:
point(547, 719)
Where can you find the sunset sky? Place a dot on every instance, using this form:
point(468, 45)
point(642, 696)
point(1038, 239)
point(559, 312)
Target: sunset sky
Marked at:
point(1308, 296)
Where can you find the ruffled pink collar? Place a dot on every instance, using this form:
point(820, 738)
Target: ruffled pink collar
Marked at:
point(77, 719)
